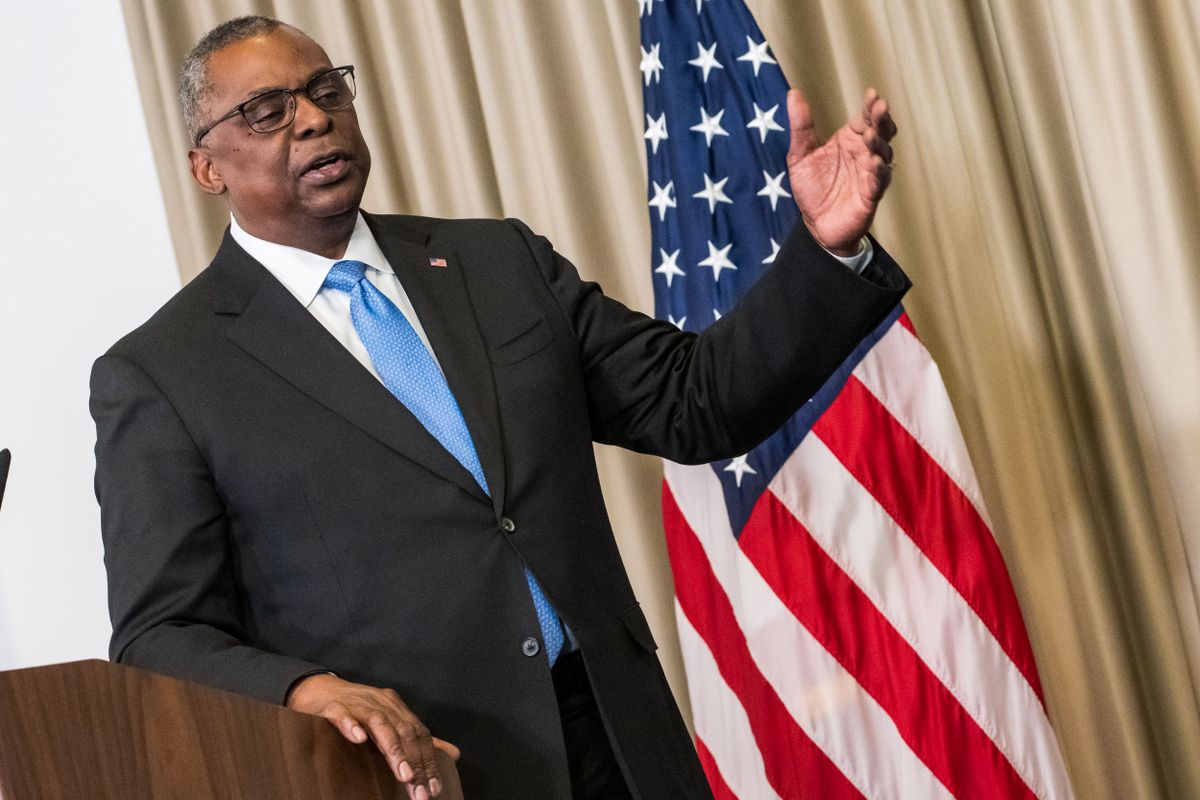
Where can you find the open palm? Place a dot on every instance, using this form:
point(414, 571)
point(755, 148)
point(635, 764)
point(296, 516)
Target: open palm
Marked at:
point(838, 184)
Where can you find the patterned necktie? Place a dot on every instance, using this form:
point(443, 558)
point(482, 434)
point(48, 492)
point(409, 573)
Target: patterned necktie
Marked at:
point(410, 373)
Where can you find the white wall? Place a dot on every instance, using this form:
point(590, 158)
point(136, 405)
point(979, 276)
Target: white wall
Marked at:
point(86, 257)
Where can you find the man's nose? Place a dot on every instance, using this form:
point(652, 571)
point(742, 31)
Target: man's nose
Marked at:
point(311, 119)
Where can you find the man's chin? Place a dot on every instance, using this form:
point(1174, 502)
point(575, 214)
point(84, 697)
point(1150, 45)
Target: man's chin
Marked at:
point(331, 205)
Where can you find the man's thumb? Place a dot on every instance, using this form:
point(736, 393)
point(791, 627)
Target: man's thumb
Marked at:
point(804, 133)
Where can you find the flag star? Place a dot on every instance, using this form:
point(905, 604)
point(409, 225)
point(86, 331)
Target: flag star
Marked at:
point(668, 268)
point(718, 259)
point(774, 252)
point(651, 65)
point(710, 126)
point(662, 199)
point(714, 193)
point(757, 54)
point(706, 60)
point(739, 467)
point(716, 315)
point(698, 4)
point(646, 7)
point(677, 323)
point(773, 189)
point(765, 120)
point(656, 130)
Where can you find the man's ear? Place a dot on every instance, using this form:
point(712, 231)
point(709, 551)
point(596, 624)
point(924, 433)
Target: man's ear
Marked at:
point(205, 171)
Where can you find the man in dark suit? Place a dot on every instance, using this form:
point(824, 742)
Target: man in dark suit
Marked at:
point(284, 517)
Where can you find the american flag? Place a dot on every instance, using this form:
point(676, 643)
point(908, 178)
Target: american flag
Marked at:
point(847, 623)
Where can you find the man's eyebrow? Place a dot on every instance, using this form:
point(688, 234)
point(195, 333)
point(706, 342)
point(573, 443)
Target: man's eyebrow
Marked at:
point(253, 93)
point(260, 90)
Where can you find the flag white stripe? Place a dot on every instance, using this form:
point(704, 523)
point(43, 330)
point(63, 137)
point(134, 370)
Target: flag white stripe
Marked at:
point(826, 701)
point(721, 721)
point(904, 378)
point(924, 608)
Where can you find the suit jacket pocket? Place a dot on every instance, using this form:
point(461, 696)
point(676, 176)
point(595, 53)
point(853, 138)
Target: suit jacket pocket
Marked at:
point(639, 629)
point(525, 342)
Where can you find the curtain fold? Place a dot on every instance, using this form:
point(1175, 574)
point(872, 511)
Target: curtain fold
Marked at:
point(1045, 204)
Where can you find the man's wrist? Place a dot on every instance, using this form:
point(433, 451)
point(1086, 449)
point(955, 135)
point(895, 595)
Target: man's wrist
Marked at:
point(856, 261)
point(291, 698)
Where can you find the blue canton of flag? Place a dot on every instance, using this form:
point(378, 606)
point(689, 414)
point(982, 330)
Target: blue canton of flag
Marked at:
point(717, 137)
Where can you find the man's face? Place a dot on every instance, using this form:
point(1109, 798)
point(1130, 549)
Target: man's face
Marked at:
point(288, 182)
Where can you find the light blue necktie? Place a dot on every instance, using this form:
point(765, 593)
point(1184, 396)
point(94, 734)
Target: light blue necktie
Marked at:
point(410, 373)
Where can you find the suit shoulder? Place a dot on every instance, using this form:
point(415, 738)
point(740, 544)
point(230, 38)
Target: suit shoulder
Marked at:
point(459, 233)
point(187, 309)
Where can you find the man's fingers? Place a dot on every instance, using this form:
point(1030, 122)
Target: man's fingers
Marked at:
point(877, 145)
point(879, 115)
point(339, 716)
point(362, 713)
point(383, 731)
point(861, 121)
point(804, 133)
point(447, 748)
point(416, 743)
point(429, 764)
point(869, 98)
point(887, 127)
point(879, 177)
point(418, 752)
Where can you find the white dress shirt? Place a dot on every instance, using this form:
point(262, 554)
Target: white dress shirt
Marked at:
point(303, 274)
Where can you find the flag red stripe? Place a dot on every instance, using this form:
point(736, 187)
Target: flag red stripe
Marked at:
point(720, 788)
point(795, 766)
point(927, 504)
point(907, 323)
point(847, 624)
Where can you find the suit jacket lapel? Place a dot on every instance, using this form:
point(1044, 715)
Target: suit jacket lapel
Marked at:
point(279, 332)
point(443, 305)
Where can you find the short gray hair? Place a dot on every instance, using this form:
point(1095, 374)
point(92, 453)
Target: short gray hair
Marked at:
point(194, 86)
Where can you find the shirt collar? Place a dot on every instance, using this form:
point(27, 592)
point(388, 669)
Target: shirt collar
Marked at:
point(301, 272)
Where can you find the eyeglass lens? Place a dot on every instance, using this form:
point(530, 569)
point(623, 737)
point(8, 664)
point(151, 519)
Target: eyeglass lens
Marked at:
point(271, 111)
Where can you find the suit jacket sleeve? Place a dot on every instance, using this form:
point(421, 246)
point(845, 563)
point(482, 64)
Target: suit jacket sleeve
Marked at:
point(172, 598)
point(699, 398)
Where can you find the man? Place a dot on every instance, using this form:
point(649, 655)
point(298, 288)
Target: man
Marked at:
point(349, 467)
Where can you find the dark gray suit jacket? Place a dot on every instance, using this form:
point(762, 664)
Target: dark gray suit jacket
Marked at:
point(269, 509)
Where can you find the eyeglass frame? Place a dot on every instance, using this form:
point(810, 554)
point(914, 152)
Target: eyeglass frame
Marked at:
point(240, 108)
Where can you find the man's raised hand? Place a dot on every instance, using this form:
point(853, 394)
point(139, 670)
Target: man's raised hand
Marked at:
point(837, 184)
point(362, 712)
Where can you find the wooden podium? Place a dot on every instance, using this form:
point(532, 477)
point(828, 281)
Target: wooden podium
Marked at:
point(95, 730)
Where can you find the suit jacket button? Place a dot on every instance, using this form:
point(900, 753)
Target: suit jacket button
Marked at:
point(507, 525)
point(530, 646)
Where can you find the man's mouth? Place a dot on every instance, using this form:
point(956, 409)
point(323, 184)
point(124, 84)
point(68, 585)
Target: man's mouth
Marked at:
point(325, 169)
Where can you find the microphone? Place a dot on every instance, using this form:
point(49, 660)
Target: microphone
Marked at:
point(5, 460)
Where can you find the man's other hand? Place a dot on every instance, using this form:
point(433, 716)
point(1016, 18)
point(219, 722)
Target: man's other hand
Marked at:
point(838, 184)
point(365, 712)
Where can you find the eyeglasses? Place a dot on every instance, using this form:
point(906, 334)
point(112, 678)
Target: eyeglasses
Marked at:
point(274, 110)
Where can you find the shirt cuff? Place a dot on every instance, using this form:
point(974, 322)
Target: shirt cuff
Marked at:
point(859, 261)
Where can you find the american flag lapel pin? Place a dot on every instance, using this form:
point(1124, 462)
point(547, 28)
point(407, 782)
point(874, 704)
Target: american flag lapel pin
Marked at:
point(437, 262)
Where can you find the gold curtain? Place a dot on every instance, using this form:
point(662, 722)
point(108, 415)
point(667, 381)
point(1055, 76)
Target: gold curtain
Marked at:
point(1045, 204)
